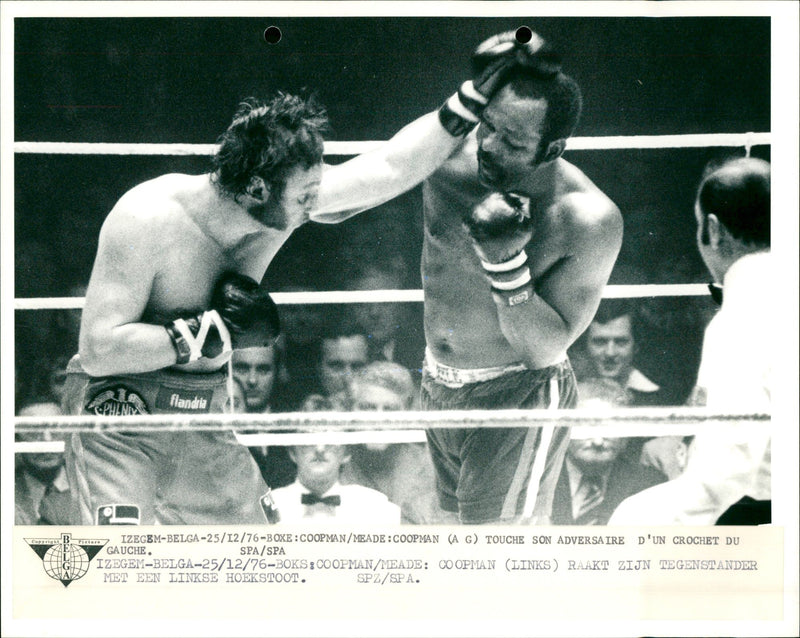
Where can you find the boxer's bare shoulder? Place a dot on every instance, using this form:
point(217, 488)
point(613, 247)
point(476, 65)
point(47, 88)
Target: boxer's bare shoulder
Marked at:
point(159, 204)
point(576, 215)
point(152, 237)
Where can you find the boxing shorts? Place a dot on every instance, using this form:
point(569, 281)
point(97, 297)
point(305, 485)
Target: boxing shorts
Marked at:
point(497, 474)
point(168, 478)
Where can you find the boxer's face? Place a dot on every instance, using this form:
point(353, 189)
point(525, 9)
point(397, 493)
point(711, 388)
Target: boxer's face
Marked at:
point(610, 347)
point(255, 370)
point(509, 138)
point(291, 207)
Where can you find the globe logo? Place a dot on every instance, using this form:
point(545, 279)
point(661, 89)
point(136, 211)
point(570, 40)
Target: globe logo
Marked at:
point(68, 562)
point(66, 559)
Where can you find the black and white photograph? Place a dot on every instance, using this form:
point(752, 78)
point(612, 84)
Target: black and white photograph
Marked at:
point(340, 268)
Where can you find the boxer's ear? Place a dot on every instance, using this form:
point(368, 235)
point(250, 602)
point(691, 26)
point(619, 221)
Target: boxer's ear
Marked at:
point(258, 189)
point(554, 150)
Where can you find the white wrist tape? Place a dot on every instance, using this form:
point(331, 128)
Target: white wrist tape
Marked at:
point(455, 105)
point(513, 284)
point(197, 341)
point(506, 266)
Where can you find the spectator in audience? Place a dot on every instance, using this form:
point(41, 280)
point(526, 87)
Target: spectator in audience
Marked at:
point(674, 327)
point(317, 496)
point(343, 355)
point(56, 372)
point(402, 471)
point(41, 491)
point(302, 327)
point(392, 334)
point(236, 403)
point(255, 371)
point(611, 344)
point(256, 368)
point(596, 476)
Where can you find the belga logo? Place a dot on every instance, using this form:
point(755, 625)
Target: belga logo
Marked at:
point(66, 559)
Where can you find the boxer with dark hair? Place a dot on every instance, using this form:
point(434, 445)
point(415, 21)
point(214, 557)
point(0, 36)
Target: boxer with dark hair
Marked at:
point(175, 289)
point(518, 247)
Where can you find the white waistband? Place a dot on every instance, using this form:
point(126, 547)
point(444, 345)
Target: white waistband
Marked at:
point(457, 377)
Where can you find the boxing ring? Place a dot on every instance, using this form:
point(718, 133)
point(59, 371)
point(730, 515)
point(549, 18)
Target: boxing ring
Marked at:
point(393, 427)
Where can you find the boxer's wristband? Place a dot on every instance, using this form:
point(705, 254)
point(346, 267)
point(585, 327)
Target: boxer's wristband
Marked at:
point(206, 336)
point(461, 113)
point(181, 344)
point(514, 297)
point(510, 280)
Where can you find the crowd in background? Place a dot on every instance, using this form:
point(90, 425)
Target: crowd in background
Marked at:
point(368, 357)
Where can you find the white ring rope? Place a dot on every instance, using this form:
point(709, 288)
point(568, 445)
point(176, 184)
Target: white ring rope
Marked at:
point(383, 296)
point(745, 140)
point(626, 419)
point(337, 428)
point(398, 427)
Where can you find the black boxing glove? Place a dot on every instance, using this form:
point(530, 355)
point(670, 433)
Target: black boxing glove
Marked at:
point(241, 316)
point(494, 58)
point(501, 227)
point(536, 55)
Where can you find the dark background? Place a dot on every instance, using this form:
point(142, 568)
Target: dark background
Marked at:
point(179, 80)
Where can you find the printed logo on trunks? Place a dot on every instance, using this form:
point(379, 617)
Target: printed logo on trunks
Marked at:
point(117, 401)
point(179, 400)
point(118, 515)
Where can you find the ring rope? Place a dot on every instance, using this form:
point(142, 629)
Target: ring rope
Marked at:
point(273, 439)
point(745, 140)
point(339, 427)
point(383, 296)
point(627, 419)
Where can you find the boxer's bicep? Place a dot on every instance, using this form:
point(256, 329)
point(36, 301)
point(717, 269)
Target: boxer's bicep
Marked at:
point(575, 285)
point(118, 291)
point(122, 276)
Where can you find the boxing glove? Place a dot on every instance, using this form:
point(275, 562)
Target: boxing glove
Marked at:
point(492, 61)
point(536, 56)
point(501, 227)
point(241, 316)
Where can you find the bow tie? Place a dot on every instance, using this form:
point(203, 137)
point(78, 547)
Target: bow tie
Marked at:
point(313, 499)
point(716, 293)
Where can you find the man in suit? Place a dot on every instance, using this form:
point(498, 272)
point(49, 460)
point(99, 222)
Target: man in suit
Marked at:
point(596, 476)
point(41, 491)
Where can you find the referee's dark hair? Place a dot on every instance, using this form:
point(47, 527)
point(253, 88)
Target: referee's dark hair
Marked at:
point(737, 192)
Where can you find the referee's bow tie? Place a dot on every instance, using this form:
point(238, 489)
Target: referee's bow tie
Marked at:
point(313, 499)
point(716, 293)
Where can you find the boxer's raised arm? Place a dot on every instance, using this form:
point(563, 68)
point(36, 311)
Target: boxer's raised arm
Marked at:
point(375, 177)
point(418, 149)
